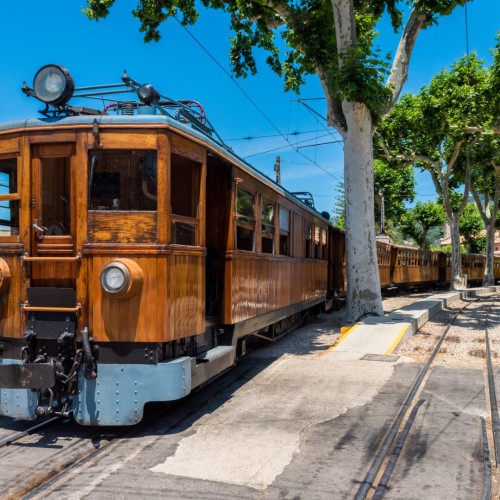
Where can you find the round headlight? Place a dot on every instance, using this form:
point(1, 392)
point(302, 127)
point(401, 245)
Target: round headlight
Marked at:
point(148, 94)
point(53, 85)
point(121, 278)
point(115, 278)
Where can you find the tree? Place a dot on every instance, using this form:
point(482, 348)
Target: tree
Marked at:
point(485, 188)
point(417, 222)
point(338, 219)
point(334, 40)
point(397, 186)
point(472, 229)
point(435, 130)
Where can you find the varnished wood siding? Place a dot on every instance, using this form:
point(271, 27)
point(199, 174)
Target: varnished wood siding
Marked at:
point(58, 274)
point(416, 266)
point(10, 312)
point(384, 263)
point(122, 227)
point(169, 306)
point(258, 284)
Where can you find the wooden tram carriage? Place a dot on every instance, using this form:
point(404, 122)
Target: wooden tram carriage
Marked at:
point(137, 253)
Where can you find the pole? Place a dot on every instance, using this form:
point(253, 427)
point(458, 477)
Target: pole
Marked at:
point(277, 169)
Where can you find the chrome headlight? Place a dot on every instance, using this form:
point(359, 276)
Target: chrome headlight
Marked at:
point(53, 85)
point(121, 278)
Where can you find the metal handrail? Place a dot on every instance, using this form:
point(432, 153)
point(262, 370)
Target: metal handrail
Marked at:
point(27, 308)
point(26, 258)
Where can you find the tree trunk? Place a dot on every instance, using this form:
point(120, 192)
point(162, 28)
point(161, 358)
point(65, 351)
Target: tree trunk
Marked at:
point(363, 293)
point(489, 276)
point(457, 281)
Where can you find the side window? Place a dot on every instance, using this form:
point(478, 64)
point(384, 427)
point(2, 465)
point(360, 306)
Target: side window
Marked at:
point(245, 220)
point(9, 207)
point(284, 232)
point(185, 178)
point(323, 244)
point(317, 247)
point(122, 180)
point(268, 210)
point(309, 239)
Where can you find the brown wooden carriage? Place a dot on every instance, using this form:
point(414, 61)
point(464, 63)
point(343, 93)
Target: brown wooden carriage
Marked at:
point(203, 251)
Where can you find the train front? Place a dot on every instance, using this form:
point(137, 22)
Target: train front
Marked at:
point(85, 323)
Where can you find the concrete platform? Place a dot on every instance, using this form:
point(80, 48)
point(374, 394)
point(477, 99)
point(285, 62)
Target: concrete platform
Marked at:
point(381, 336)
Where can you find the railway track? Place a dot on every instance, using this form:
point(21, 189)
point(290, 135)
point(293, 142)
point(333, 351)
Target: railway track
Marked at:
point(16, 436)
point(188, 407)
point(379, 477)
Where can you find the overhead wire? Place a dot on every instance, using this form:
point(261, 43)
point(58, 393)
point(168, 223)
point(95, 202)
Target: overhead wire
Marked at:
point(254, 104)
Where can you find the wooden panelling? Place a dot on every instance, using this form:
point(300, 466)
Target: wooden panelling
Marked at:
point(126, 139)
point(10, 313)
point(123, 227)
point(169, 306)
point(258, 284)
point(54, 150)
point(186, 148)
point(163, 188)
point(52, 136)
point(9, 145)
point(58, 274)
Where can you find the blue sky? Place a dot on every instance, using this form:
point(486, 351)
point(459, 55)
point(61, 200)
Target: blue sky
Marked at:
point(36, 33)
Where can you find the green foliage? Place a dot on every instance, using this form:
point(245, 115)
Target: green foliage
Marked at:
point(307, 27)
point(398, 185)
point(447, 249)
point(338, 210)
point(417, 222)
point(472, 229)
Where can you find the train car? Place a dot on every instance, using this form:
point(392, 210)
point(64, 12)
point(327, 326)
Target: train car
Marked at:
point(496, 268)
point(473, 268)
point(137, 253)
point(414, 266)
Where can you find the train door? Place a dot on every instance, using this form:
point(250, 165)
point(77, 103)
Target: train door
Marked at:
point(53, 215)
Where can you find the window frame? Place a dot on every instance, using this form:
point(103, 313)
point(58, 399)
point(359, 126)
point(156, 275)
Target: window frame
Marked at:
point(245, 221)
point(13, 197)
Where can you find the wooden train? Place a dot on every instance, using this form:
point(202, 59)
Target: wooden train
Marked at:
point(138, 253)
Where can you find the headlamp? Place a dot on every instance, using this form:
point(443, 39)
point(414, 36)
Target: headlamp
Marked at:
point(121, 278)
point(53, 85)
point(148, 94)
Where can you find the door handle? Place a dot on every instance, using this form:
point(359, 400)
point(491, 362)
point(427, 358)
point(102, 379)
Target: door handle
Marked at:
point(37, 228)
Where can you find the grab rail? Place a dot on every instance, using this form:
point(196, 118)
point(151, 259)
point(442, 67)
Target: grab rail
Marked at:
point(27, 308)
point(26, 258)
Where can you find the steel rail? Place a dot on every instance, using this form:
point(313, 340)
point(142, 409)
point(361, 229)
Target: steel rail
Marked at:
point(19, 435)
point(393, 431)
point(493, 398)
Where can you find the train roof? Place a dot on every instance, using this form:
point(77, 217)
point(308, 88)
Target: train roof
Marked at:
point(152, 108)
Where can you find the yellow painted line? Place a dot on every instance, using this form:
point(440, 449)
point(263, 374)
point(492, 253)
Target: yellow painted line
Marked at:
point(398, 339)
point(346, 332)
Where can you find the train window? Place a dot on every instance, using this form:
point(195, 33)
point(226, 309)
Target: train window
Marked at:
point(185, 178)
point(284, 232)
point(9, 209)
point(268, 210)
point(245, 220)
point(323, 244)
point(309, 238)
point(122, 180)
point(317, 247)
point(56, 189)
